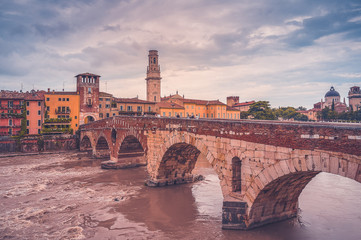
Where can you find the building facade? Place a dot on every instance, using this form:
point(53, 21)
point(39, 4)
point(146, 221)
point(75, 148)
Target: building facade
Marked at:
point(87, 86)
point(354, 98)
point(11, 109)
point(62, 111)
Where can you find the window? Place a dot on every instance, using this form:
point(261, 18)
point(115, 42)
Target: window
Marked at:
point(181, 114)
point(67, 99)
point(100, 106)
point(170, 114)
point(100, 99)
point(39, 104)
point(63, 99)
point(139, 108)
point(204, 115)
point(121, 108)
point(164, 114)
point(39, 112)
point(129, 108)
point(155, 98)
point(224, 115)
point(10, 122)
point(218, 115)
point(59, 99)
point(149, 109)
point(27, 112)
point(76, 125)
point(47, 99)
point(89, 102)
point(113, 114)
point(75, 117)
point(107, 106)
point(212, 115)
point(39, 123)
point(38, 131)
point(107, 99)
point(10, 104)
point(101, 115)
point(154, 60)
point(89, 90)
point(48, 108)
point(27, 123)
point(107, 115)
point(27, 104)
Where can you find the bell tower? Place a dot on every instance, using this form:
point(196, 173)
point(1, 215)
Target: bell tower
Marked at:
point(153, 77)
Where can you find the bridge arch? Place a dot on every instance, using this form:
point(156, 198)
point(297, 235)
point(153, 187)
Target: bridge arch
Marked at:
point(177, 159)
point(86, 144)
point(131, 151)
point(273, 194)
point(102, 147)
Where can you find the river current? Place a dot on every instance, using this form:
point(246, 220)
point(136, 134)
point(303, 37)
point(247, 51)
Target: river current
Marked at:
point(68, 196)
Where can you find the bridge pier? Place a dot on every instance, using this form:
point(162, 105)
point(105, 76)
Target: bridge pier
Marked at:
point(234, 214)
point(188, 178)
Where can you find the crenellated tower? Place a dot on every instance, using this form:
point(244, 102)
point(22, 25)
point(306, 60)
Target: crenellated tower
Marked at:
point(153, 77)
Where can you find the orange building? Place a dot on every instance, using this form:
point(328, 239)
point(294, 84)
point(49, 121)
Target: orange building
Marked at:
point(63, 106)
point(35, 110)
point(178, 106)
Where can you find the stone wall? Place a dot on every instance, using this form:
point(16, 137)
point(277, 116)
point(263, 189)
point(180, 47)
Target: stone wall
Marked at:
point(39, 143)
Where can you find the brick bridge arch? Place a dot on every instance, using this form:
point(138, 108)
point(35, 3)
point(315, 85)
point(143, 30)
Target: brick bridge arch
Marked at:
point(273, 194)
point(173, 162)
point(262, 165)
point(86, 144)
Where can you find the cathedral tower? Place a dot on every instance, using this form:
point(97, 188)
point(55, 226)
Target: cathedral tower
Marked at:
point(153, 77)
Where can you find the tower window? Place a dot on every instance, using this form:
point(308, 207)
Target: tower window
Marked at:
point(89, 90)
point(154, 60)
point(155, 98)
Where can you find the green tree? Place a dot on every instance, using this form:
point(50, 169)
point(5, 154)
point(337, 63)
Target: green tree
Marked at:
point(262, 110)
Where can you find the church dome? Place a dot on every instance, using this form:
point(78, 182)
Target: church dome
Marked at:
point(332, 93)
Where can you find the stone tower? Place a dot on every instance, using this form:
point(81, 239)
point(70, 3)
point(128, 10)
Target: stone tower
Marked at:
point(354, 96)
point(153, 77)
point(87, 86)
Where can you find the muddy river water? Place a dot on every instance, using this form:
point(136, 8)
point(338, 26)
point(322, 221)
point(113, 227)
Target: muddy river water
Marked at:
point(68, 196)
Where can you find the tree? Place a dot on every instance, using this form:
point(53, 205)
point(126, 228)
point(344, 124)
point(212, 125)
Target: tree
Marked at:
point(262, 110)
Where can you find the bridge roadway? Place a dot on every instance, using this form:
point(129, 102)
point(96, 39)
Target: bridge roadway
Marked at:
point(263, 166)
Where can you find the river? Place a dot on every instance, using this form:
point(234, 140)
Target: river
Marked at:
point(68, 196)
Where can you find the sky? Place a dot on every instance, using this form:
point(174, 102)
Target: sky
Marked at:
point(287, 52)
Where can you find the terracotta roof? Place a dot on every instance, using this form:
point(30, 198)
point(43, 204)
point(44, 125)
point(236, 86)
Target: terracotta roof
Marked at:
point(243, 104)
point(104, 94)
point(132, 100)
point(202, 102)
point(29, 96)
point(232, 109)
point(61, 93)
point(170, 105)
point(87, 74)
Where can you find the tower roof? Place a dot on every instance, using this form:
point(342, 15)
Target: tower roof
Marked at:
point(87, 74)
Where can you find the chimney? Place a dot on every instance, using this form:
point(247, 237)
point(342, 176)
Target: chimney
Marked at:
point(48, 89)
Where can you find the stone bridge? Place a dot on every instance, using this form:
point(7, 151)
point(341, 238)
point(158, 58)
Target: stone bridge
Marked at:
point(263, 166)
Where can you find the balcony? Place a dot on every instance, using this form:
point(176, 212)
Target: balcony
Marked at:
point(67, 111)
point(6, 106)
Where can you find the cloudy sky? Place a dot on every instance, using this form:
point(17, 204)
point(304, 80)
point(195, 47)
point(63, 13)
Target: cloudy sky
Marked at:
point(288, 52)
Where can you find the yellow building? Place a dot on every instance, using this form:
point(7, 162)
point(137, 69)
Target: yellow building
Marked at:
point(178, 106)
point(62, 105)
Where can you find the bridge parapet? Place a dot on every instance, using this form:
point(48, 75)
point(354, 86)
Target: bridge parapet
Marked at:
point(345, 138)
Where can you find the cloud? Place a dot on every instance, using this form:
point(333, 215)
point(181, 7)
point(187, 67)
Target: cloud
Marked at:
point(266, 50)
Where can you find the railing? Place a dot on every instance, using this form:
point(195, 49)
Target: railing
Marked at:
point(67, 111)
